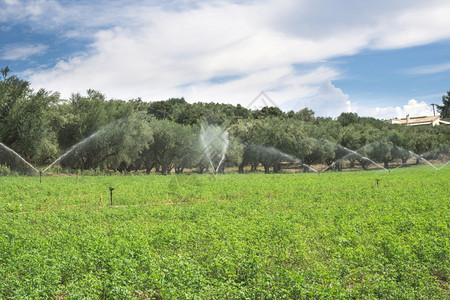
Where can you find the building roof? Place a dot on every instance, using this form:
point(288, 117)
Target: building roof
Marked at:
point(416, 121)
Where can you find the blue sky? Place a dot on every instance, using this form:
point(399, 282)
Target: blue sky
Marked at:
point(381, 58)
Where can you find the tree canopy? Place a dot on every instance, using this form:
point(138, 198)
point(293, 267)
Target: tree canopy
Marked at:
point(444, 109)
point(164, 135)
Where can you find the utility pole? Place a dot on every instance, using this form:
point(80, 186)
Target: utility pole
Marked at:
point(434, 112)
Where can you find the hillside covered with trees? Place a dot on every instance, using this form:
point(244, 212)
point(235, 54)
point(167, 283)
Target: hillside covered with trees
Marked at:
point(133, 135)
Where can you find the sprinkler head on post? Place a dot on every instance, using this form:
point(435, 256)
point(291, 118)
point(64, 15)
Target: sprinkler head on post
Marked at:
point(111, 189)
point(40, 176)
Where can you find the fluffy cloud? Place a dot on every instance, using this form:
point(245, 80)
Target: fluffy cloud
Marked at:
point(412, 108)
point(325, 100)
point(226, 51)
point(183, 52)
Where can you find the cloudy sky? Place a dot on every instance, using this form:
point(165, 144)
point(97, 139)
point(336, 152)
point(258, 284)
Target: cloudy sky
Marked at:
point(376, 58)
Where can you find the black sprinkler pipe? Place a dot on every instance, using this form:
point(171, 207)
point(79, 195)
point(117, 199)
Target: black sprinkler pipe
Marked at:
point(111, 189)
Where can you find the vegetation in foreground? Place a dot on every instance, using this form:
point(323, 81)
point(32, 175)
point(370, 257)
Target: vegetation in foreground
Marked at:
point(337, 235)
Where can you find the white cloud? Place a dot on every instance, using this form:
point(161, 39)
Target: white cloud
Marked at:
point(184, 49)
point(22, 52)
point(18, 11)
point(325, 100)
point(428, 69)
point(412, 108)
point(418, 25)
point(156, 52)
point(11, 2)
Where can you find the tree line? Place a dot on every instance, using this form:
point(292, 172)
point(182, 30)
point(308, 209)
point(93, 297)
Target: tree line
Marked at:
point(164, 135)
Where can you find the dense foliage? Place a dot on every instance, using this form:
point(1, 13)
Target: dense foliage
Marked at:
point(444, 109)
point(164, 135)
point(360, 235)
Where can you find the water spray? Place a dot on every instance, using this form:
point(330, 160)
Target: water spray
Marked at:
point(20, 157)
point(71, 149)
point(443, 165)
point(355, 153)
point(417, 156)
point(215, 143)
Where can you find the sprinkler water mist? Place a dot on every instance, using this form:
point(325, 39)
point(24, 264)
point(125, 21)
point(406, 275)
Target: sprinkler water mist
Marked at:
point(111, 189)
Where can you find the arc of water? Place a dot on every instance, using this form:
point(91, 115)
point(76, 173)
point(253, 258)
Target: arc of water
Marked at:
point(366, 158)
point(354, 152)
point(207, 152)
point(15, 153)
point(220, 136)
point(299, 161)
point(421, 158)
point(342, 158)
point(291, 158)
point(223, 156)
point(398, 167)
point(330, 166)
point(443, 165)
point(417, 156)
point(334, 162)
point(71, 149)
point(224, 137)
point(403, 164)
point(309, 167)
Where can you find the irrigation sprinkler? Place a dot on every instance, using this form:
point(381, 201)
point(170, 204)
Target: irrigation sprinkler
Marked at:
point(377, 180)
point(40, 176)
point(111, 189)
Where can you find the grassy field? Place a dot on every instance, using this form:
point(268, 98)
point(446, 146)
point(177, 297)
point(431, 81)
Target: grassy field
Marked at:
point(335, 235)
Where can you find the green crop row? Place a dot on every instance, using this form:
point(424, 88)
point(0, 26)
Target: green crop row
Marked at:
point(340, 235)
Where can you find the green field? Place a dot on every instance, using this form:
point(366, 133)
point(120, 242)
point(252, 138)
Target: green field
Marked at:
point(334, 235)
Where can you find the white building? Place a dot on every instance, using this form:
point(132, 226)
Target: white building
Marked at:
point(417, 121)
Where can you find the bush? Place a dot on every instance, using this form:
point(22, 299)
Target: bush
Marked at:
point(5, 170)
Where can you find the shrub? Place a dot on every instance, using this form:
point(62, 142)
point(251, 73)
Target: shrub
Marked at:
point(5, 170)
